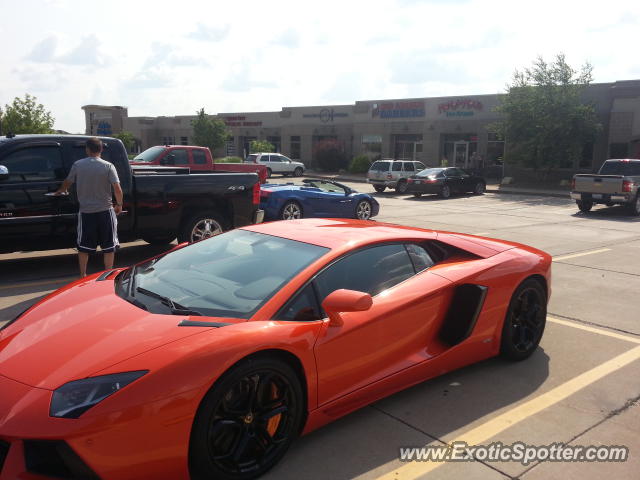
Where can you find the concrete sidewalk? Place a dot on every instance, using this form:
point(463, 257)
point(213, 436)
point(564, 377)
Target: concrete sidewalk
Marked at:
point(492, 185)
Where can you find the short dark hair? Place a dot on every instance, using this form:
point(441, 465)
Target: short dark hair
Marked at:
point(94, 145)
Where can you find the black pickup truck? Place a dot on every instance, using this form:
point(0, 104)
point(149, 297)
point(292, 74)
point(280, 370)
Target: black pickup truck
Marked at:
point(160, 203)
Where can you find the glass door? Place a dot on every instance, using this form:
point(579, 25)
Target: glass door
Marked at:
point(460, 154)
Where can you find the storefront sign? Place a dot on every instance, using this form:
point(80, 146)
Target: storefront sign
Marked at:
point(104, 128)
point(398, 110)
point(460, 108)
point(240, 122)
point(326, 115)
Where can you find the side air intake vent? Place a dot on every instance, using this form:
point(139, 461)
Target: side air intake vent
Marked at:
point(105, 275)
point(463, 312)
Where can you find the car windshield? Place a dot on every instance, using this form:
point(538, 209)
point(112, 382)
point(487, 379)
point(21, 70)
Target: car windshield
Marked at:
point(620, 168)
point(380, 167)
point(430, 172)
point(229, 275)
point(149, 155)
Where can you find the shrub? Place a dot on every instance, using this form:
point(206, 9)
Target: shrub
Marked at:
point(360, 164)
point(227, 160)
point(330, 156)
point(260, 146)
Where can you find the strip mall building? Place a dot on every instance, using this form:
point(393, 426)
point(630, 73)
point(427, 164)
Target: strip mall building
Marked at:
point(425, 129)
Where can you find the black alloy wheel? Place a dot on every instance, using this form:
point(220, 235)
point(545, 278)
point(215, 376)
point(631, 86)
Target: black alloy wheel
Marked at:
point(445, 191)
point(247, 421)
point(379, 188)
point(584, 205)
point(479, 188)
point(525, 321)
point(417, 194)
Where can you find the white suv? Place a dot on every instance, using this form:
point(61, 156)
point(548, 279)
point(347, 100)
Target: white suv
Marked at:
point(392, 173)
point(277, 163)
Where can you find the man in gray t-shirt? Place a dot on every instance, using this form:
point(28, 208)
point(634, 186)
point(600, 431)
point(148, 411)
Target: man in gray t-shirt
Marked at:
point(96, 181)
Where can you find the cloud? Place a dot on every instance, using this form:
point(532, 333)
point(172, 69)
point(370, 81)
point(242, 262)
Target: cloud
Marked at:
point(413, 67)
point(163, 54)
point(289, 38)
point(242, 81)
point(41, 78)
point(149, 78)
point(44, 51)
point(209, 34)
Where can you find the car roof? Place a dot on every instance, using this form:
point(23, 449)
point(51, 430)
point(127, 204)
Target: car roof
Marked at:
point(339, 233)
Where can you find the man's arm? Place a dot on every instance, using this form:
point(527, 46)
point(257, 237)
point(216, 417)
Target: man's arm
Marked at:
point(117, 192)
point(64, 188)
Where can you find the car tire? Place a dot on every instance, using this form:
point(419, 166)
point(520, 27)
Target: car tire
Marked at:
point(417, 194)
point(634, 208)
point(379, 188)
point(401, 186)
point(445, 191)
point(201, 226)
point(268, 172)
point(247, 420)
point(159, 239)
point(525, 321)
point(479, 188)
point(298, 172)
point(291, 211)
point(584, 205)
point(363, 210)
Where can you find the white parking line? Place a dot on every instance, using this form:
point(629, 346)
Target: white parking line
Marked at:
point(581, 254)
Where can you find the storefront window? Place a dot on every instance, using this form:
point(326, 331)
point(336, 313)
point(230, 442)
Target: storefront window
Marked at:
point(295, 147)
point(495, 150)
point(408, 147)
point(372, 146)
point(275, 141)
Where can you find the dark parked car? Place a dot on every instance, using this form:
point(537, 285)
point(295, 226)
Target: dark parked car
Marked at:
point(161, 203)
point(444, 182)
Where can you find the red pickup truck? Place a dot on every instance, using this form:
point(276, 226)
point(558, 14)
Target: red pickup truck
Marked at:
point(198, 159)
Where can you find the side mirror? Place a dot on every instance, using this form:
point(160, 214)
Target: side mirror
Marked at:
point(4, 172)
point(343, 300)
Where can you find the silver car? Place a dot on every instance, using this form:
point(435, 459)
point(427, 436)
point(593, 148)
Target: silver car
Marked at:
point(392, 174)
point(277, 163)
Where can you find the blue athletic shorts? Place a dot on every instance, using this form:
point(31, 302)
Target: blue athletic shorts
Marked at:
point(100, 228)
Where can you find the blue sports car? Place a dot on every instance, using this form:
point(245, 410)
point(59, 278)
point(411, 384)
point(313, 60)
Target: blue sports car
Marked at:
point(315, 198)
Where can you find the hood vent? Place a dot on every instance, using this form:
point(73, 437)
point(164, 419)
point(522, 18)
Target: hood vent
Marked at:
point(104, 276)
point(195, 323)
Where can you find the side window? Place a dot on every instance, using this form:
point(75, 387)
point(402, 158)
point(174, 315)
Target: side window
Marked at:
point(275, 158)
point(420, 166)
point(34, 164)
point(408, 167)
point(419, 256)
point(180, 156)
point(371, 270)
point(396, 167)
point(301, 308)
point(264, 158)
point(199, 157)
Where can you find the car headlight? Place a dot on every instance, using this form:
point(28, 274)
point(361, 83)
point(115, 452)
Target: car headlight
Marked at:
point(74, 398)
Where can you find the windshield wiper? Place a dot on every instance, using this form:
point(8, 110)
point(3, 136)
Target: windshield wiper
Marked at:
point(176, 308)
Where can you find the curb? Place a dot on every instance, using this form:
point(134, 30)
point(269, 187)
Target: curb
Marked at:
point(490, 189)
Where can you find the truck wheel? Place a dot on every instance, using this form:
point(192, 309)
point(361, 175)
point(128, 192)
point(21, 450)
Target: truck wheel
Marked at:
point(379, 188)
point(584, 206)
point(401, 186)
point(297, 172)
point(200, 226)
point(445, 191)
point(634, 207)
point(268, 172)
point(159, 239)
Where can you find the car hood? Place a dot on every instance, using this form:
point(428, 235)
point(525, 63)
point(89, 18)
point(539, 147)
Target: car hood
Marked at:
point(79, 331)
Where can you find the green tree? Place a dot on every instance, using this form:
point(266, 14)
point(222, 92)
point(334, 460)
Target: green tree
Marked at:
point(209, 132)
point(261, 146)
point(26, 116)
point(127, 139)
point(547, 123)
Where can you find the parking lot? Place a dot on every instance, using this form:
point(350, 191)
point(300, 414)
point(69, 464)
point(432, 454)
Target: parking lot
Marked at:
point(581, 387)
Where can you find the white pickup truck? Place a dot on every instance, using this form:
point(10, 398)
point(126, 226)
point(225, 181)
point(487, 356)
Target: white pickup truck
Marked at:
point(616, 183)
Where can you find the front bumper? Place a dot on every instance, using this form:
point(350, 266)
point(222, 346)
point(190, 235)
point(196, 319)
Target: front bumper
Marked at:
point(139, 444)
point(601, 197)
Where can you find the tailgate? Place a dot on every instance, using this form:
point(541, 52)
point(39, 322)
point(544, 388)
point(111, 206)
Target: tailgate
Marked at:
point(598, 183)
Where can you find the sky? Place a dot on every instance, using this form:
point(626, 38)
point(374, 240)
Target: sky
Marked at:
point(173, 58)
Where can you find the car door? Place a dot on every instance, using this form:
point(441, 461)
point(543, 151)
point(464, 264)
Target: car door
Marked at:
point(276, 164)
point(408, 169)
point(395, 333)
point(330, 200)
point(453, 179)
point(26, 211)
